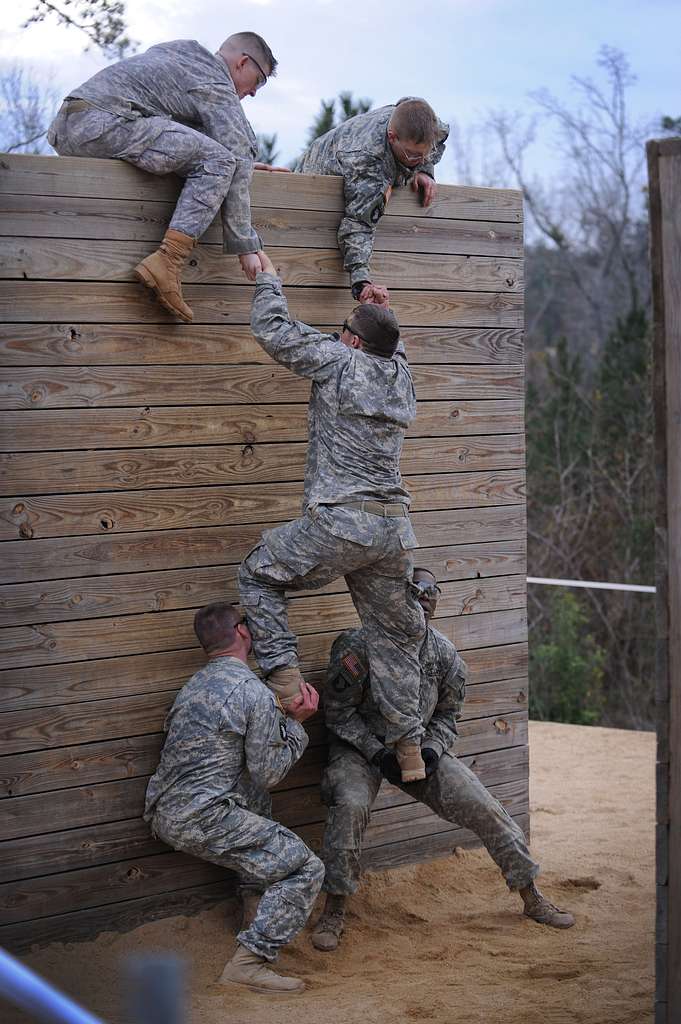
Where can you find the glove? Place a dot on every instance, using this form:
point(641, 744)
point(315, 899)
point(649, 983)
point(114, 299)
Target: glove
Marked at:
point(387, 761)
point(358, 288)
point(430, 759)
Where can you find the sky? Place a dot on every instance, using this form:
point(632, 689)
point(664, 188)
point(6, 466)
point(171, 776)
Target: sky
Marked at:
point(464, 56)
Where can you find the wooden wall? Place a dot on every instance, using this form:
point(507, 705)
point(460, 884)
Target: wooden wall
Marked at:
point(143, 459)
point(664, 173)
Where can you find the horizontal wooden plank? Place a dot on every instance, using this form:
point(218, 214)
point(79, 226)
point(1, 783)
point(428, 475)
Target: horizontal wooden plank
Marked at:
point(100, 679)
point(130, 593)
point(100, 844)
point(145, 427)
point(145, 220)
point(71, 387)
point(78, 806)
point(78, 344)
point(182, 507)
point(208, 466)
point(69, 557)
point(25, 174)
point(102, 302)
point(50, 643)
point(83, 259)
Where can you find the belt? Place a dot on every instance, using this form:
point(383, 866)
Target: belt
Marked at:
point(393, 509)
point(74, 106)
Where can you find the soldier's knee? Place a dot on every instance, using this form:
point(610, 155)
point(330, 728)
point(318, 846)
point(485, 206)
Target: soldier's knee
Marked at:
point(314, 869)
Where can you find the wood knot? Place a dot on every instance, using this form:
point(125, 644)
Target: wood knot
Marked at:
point(134, 874)
point(26, 531)
point(106, 523)
point(502, 726)
point(455, 413)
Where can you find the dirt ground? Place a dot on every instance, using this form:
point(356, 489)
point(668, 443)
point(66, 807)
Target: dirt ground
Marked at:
point(444, 942)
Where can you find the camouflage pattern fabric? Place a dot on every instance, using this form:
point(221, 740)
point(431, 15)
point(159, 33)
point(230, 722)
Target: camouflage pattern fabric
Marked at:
point(358, 150)
point(173, 109)
point(360, 407)
point(351, 782)
point(227, 743)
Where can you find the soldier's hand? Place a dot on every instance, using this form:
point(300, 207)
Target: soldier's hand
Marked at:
point(266, 264)
point(250, 264)
point(269, 167)
point(430, 759)
point(374, 294)
point(389, 765)
point(305, 705)
point(424, 184)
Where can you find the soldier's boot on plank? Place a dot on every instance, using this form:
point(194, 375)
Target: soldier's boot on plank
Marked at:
point(250, 970)
point(410, 760)
point(330, 926)
point(538, 908)
point(285, 683)
point(162, 269)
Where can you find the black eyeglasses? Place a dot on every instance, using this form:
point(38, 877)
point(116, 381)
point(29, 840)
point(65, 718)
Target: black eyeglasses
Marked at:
point(263, 78)
point(426, 588)
point(348, 327)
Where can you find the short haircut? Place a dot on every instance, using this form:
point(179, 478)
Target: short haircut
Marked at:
point(377, 327)
point(256, 47)
point(422, 568)
point(414, 121)
point(215, 625)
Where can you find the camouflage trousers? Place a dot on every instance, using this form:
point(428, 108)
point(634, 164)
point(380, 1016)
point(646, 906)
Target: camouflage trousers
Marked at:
point(266, 856)
point(349, 788)
point(311, 552)
point(157, 145)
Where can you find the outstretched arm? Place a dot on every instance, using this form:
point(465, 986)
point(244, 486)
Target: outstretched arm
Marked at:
point(441, 732)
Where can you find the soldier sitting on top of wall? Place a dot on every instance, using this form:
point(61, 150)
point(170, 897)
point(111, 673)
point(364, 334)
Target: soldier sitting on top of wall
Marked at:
point(355, 521)
point(375, 152)
point(228, 741)
point(358, 761)
point(176, 108)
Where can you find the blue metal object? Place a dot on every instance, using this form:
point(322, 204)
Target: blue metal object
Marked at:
point(155, 988)
point(31, 993)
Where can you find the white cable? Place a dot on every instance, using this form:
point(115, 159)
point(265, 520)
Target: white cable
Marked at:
point(589, 583)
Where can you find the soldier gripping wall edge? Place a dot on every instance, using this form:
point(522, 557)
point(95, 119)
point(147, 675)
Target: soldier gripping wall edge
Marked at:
point(355, 522)
point(176, 109)
point(228, 742)
point(359, 760)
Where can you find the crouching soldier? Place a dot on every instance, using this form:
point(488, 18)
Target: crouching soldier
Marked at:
point(176, 108)
point(228, 741)
point(358, 761)
point(376, 152)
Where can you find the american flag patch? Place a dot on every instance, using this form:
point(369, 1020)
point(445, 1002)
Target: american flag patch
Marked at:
point(352, 664)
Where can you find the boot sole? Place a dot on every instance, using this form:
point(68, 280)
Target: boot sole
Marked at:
point(148, 280)
point(263, 988)
point(415, 776)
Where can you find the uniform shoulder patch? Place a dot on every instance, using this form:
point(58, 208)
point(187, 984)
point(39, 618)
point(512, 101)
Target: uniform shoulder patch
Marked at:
point(352, 665)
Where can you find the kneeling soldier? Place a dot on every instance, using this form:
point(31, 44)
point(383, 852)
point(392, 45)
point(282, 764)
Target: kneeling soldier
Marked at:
point(228, 742)
point(358, 761)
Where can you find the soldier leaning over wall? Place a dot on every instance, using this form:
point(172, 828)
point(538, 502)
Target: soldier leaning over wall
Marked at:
point(176, 108)
point(376, 152)
point(228, 742)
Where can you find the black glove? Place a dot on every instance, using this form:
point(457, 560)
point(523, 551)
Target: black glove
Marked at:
point(387, 761)
point(430, 759)
point(358, 288)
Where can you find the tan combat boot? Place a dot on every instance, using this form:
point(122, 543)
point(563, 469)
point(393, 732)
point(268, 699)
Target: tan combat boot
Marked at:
point(538, 908)
point(251, 971)
point(330, 926)
point(285, 683)
point(409, 758)
point(161, 272)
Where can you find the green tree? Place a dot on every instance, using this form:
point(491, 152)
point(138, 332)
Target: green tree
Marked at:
point(102, 21)
point(267, 148)
point(333, 112)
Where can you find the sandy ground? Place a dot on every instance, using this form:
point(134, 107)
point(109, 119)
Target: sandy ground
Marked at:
point(444, 942)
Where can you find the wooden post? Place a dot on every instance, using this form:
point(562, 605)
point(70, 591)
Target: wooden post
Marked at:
point(664, 169)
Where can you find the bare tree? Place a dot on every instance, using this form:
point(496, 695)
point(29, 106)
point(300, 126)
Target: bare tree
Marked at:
point(26, 109)
point(102, 21)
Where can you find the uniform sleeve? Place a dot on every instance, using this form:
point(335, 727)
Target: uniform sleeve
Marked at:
point(347, 679)
point(441, 732)
point(438, 150)
point(302, 349)
point(365, 192)
point(273, 742)
point(223, 120)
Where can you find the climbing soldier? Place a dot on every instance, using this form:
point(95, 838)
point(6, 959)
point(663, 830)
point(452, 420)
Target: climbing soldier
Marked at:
point(228, 742)
point(176, 109)
point(355, 521)
point(359, 760)
point(376, 152)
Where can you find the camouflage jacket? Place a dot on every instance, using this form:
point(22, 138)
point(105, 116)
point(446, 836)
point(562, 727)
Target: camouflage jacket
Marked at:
point(227, 740)
point(184, 82)
point(349, 709)
point(358, 149)
point(360, 406)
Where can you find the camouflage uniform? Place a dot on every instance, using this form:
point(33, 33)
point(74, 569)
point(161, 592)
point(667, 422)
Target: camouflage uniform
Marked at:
point(351, 782)
point(172, 109)
point(360, 408)
point(227, 743)
point(358, 149)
